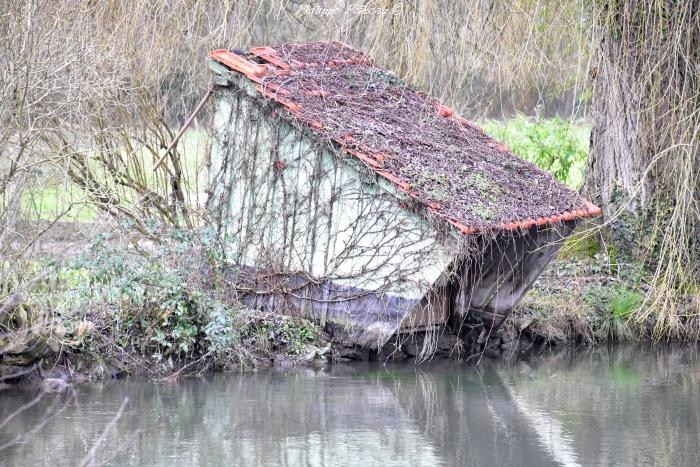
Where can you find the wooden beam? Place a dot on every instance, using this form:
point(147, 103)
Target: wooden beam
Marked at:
point(191, 118)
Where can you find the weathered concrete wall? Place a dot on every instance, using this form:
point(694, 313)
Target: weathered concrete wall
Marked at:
point(314, 229)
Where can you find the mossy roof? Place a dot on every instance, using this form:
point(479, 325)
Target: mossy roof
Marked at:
point(444, 162)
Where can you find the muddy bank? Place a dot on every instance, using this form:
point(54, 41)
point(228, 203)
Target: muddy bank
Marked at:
point(165, 311)
point(53, 373)
point(279, 343)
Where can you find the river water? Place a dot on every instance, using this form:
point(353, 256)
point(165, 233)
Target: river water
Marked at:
point(605, 406)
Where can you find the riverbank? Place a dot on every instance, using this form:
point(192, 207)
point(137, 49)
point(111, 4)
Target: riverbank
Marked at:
point(586, 297)
point(115, 306)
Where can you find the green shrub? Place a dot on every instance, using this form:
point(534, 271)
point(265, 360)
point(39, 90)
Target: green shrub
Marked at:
point(552, 144)
point(167, 307)
point(615, 304)
point(623, 302)
point(145, 303)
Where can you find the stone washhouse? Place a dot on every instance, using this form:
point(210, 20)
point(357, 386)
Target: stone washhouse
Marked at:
point(349, 197)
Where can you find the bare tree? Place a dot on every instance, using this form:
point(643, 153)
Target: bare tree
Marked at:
point(644, 165)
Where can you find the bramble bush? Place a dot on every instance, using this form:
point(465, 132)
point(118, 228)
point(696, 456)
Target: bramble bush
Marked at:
point(166, 307)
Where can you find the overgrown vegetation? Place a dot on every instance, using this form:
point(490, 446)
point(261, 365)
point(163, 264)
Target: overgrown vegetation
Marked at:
point(555, 145)
point(155, 309)
point(92, 92)
point(587, 296)
point(644, 164)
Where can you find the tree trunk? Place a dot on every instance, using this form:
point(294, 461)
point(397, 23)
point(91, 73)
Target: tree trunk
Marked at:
point(645, 74)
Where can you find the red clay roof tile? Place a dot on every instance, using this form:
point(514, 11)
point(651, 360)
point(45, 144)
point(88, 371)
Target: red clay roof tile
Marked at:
point(443, 161)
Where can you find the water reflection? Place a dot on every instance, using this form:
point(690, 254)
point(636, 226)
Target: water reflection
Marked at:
point(623, 406)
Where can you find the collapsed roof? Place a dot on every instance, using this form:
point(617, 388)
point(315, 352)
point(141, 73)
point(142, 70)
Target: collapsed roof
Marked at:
point(441, 160)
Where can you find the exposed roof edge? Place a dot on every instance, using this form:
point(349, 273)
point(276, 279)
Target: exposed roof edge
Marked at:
point(590, 210)
point(255, 72)
point(251, 70)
